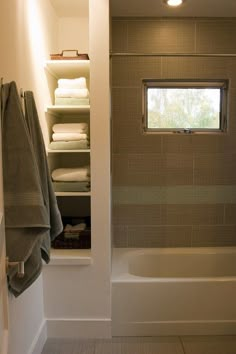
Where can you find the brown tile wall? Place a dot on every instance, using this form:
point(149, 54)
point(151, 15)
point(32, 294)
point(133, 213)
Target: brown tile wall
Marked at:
point(169, 161)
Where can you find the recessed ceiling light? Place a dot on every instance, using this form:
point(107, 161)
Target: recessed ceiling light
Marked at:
point(174, 3)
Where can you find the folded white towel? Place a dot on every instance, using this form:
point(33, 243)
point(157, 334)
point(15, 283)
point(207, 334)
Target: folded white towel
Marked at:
point(78, 83)
point(78, 174)
point(71, 93)
point(73, 228)
point(70, 128)
point(69, 136)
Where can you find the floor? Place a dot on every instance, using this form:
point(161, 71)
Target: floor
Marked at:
point(144, 345)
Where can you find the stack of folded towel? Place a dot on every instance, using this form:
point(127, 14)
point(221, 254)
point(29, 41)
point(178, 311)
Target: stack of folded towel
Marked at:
point(71, 179)
point(72, 92)
point(69, 136)
point(73, 231)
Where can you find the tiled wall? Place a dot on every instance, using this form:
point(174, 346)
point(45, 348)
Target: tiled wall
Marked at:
point(171, 190)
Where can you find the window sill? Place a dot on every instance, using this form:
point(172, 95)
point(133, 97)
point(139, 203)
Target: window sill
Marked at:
point(182, 133)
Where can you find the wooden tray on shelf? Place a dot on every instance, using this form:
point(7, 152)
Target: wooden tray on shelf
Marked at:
point(64, 56)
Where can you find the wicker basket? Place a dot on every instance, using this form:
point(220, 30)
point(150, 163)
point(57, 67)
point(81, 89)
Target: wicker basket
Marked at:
point(84, 237)
point(64, 56)
point(83, 242)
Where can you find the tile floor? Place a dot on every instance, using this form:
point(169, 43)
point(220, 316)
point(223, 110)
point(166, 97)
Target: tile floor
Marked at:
point(144, 345)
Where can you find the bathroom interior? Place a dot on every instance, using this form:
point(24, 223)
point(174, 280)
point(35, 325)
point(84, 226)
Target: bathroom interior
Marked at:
point(160, 274)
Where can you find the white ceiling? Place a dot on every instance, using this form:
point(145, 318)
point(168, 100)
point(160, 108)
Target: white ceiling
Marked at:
point(150, 8)
point(191, 8)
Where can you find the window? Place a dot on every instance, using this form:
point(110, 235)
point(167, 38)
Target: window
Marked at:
point(184, 106)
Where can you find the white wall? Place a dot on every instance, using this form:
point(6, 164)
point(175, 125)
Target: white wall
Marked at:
point(74, 34)
point(26, 317)
point(28, 33)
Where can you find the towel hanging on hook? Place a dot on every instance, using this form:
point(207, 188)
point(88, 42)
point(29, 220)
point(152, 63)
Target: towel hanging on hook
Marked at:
point(32, 217)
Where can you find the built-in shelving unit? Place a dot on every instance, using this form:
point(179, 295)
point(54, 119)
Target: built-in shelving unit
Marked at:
point(69, 69)
point(77, 284)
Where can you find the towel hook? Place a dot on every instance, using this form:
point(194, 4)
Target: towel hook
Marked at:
point(20, 267)
point(22, 93)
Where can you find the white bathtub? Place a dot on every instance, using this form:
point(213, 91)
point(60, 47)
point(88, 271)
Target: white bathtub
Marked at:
point(173, 291)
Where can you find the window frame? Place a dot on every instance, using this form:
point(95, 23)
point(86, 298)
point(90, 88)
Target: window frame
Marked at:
point(222, 84)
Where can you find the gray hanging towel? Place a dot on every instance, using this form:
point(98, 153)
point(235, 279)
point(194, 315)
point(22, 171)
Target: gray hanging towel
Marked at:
point(54, 217)
point(26, 213)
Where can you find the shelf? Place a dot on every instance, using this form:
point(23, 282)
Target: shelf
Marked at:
point(68, 109)
point(73, 194)
point(68, 68)
point(70, 257)
point(68, 151)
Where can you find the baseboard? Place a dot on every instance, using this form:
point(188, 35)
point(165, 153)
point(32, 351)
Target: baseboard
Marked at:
point(174, 328)
point(39, 340)
point(79, 328)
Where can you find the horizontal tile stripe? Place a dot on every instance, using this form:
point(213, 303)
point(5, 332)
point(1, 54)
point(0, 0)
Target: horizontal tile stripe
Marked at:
point(142, 195)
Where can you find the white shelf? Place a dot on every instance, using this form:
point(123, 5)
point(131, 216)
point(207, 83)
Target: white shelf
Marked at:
point(68, 151)
point(73, 109)
point(68, 68)
point(70, 257)
point(73, 194)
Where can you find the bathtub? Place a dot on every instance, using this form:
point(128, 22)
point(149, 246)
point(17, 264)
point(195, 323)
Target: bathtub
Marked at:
point(173, 291)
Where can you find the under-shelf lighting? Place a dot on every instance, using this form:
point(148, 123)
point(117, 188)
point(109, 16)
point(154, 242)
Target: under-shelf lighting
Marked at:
point(174, 3)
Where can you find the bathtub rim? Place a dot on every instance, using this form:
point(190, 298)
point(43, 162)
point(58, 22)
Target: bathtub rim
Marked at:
point(120, 258)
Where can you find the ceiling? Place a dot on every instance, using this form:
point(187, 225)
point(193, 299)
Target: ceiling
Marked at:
point(190, 8)
point(150, 8)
